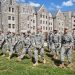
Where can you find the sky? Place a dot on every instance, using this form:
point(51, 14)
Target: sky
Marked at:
point(52, 5)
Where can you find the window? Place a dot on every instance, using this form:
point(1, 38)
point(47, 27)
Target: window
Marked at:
point(74, 20)
point(33, 21)
point(33, 14)
point(9, 9)
point(13, 18)
point(12, 9)
point(9, 17)
point(13, 25)
point(40, 21)
point(0, 6)
point(10, 2)
point(46, 22)
point(49, 23)
point(49, 28)
point(46, 28)
point(43, 22)
point(9, 26)
point(28, 25)
point(33, 27)
point(46, 17)
point(43, 27)
point(41, 15)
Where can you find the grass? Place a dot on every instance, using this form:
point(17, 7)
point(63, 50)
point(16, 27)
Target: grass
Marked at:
point(12, 67)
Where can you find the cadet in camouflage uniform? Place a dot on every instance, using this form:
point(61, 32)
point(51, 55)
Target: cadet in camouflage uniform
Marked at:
point(39, 46)
point(56, 44)
point(12, 44)
point(50, 41)
point(2, 41)
point(67, 43)
point(18, 44)
point(27, 46)
point(6, 46)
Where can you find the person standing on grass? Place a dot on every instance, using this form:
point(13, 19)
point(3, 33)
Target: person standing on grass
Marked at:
point(2, 42)
point(38, 46)
point(27, 46)
point(66, 49)
point(12, 44)
point(56, 44)
point(50, 42)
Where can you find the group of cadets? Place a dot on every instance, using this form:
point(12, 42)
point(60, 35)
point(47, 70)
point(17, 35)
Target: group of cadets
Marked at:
point(34, 45)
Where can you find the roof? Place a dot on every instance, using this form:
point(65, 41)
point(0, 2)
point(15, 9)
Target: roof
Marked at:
point(37, 8)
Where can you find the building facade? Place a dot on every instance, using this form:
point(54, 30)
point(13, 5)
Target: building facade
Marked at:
point(45, 20)
point(9, 15)
point(73, 22)
point(27, 18)
point(20, 17)
point(59, 22)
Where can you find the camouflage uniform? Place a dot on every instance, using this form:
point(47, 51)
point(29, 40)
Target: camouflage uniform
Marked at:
point(2, 42)
point(56, 44)
point(50, 41)
point(67, 43)
point(38, 44)
point(18, 44)
point(26, 46)
point(66, 49)
point(12, 44)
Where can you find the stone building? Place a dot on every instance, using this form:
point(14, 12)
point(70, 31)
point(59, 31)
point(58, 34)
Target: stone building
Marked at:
point(68, 20)
point(44, 19)
point(20, 17)
point(73, 22)
point(59, 21)
point(9, 15)
point(27, 18)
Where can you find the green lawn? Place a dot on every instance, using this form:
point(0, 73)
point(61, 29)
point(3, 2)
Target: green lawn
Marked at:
point(12, 67)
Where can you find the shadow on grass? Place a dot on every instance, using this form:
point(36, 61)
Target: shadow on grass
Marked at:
point(46, 50)
point(57, 62)
point(49, 55)
point(1, 54)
